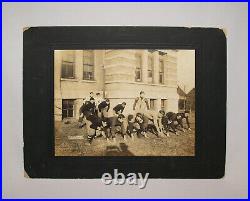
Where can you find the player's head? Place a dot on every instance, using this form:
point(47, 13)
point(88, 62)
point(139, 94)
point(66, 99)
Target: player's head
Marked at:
point(142, 94)
point(161, 113)
point(92, 100)
point(124, 104)
point(139, 117)
point(104, 122)
point(130, 117)
point(83, 100)
point(121, 117)
point(187, 113)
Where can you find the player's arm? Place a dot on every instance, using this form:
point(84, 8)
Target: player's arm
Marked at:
point(147, 104)
point(155, 121)
point(136, 100)
point(108, 107)
point(159, 120)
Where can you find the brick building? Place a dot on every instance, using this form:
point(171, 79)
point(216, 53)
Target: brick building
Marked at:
point(118, 75)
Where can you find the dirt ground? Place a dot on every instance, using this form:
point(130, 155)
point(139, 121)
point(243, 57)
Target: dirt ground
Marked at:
point(70, 140)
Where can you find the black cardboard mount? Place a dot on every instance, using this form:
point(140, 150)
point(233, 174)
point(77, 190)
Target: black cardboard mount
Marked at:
point(38, 100)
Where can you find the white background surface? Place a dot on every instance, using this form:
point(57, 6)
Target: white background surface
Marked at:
point(230, 16)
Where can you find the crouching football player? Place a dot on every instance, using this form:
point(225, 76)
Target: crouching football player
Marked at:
point(152, 121)
point(99, 127)
point(134, 125)
point(139, 125)
point(117, 124)
point(183, 116)
point(171, 121)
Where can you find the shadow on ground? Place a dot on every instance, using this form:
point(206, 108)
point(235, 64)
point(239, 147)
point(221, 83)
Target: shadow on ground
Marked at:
point(122, 150)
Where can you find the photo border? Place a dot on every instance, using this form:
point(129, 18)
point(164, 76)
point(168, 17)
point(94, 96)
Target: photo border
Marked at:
point(38, 91)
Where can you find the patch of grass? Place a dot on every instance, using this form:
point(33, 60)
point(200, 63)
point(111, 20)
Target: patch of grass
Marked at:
point(182, 145)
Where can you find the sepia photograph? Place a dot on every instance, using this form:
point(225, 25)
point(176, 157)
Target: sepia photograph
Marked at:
point(124, 102)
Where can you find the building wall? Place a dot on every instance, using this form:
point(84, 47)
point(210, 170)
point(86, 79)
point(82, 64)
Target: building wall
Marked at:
point(76, 88)
point(115, 79)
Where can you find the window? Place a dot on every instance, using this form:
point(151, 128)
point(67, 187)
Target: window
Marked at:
point(163, 101)
point(181, 104)
point(161, 72)
point(68, 64)
point(138, 69)
point(152, 103)
point(150, 69)
point(67, 108)
point(88, 65)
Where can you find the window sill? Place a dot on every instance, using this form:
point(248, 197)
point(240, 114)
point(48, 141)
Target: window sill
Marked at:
point(138, 83)
point(89, 81)
point(77, 80)
point(69, 79)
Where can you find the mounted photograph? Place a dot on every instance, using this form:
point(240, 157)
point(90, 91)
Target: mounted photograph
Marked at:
point(135, 99)
point(124, 102)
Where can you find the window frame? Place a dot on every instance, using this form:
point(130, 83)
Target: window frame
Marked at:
point(152, 100)
point(164, 103)
point(150, 58)
point(138, 69)
point(68, 108)
point(161, 73)
point(92, 59)
point(65, 63)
